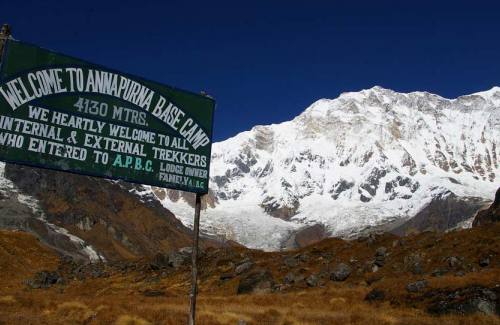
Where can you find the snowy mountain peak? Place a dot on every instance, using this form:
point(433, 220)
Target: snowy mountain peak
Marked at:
point(361, 160)
point(493, 94)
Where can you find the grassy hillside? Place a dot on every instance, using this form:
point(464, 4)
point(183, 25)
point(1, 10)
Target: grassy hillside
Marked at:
point(149, 292)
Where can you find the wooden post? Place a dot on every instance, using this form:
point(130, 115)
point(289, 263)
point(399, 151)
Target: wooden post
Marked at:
point(194, 260)
point(4, 36)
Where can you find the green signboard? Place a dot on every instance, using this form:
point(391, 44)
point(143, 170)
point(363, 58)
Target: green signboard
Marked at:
point(66, 114)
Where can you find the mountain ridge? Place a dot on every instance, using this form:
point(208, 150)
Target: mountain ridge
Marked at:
point(363, 159)
point(368, 161)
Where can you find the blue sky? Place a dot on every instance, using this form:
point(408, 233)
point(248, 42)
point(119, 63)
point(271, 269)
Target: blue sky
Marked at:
point(266, 61)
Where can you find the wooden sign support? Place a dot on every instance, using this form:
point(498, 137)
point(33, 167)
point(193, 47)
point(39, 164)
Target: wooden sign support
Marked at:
point(4, 36)
point(194, 260)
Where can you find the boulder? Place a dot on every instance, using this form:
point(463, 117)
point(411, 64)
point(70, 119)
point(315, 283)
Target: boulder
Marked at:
point(312, 280)
point(484, 261)
point(417, 269)
point(375, 295)
point(159, 261)
point(294, 277)
point(381, 251)
point(44, 279)
point(257, 281)
point(380, 255)
point(454, 262)
point(379, 261)
point(244, 267)
point(417, 286)
point(341, 272)
point(177, 259)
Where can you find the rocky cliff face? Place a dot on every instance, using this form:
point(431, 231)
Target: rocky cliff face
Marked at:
point(444, 212)
point(364, 160)
point(86, 217)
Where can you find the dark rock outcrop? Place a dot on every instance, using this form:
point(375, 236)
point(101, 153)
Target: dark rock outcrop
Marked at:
point(44, 279)
point(285, 212)
point(173, 259)
point(107, 215)
point(474, 299)
point(492, 214)
point(445, 211)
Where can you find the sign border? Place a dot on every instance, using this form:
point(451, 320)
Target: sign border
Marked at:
point(133, 77)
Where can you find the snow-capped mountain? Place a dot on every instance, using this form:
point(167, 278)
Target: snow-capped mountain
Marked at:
point(361, 160)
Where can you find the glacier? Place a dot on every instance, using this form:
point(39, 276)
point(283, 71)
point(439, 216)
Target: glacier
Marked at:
point(364, 159)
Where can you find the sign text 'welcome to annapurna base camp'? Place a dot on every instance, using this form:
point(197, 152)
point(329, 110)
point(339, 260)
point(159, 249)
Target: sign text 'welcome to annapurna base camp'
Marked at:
point(66, 114)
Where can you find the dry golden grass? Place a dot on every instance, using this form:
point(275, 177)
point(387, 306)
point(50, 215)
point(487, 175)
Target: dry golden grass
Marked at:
point(7, 300)
point(72, 312)
point(21, 254)
point(131, 320)
point(331, 305)
point(119, 299)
